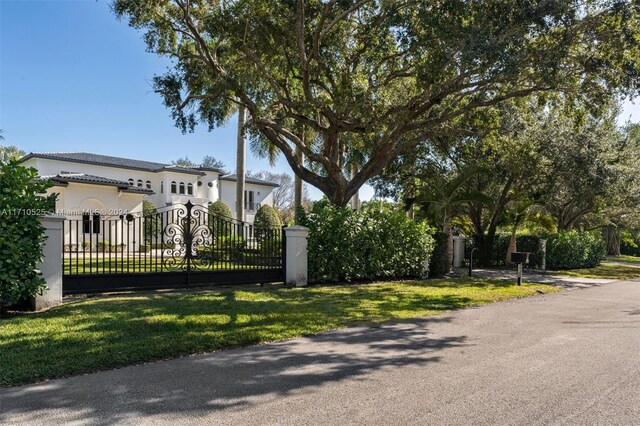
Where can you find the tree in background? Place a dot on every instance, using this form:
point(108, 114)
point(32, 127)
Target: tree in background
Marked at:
point(284, 194)
point(207, 161)
point(9, 152)
point(375, 77)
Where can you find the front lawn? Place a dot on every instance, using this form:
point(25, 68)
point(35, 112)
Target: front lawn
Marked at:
point(604, 270)
point(624, 259)
point(103, 333)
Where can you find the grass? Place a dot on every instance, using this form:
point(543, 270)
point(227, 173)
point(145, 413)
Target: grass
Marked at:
point(105, 333)
point(624, 258)
point(141, 264)
point(604, 270)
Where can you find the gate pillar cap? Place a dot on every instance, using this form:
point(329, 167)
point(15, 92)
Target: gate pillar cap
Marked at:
point(296, 230)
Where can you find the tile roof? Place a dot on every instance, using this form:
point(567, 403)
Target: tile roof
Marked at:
point(126, 163)
point(234, 178)
point(97, 180)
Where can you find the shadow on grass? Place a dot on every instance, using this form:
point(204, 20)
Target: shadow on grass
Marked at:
point(113, 332)
point(231, 379)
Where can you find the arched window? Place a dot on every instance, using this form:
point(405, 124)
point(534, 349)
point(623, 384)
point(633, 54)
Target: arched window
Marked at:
point(148, 184)
point(162, 187)
point(173, 187)
point(139, 183)
point(182, 187)
point(190, 188)
point(130, 182)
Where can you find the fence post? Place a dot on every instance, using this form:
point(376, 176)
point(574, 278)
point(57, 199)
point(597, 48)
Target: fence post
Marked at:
point(51, 265)
point(296, 255)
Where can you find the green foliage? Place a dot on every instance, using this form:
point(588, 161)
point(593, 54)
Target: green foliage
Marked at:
point(498, 250)
point(219, 209)
point(438, 264)
point(267, 217)
point(267, 224)
point(152, 222)
point(371, 79)
point(103, 246)
point(375, 242)
point(10, 152)
point(575, 250)
point(630, 242)
point(21, 234)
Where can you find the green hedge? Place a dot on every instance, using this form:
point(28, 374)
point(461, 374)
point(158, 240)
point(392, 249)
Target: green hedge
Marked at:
point(438, 262)
point(573, 250)
point(630, 243)
point(21, 234)
point(524, 243)
point(374, 242)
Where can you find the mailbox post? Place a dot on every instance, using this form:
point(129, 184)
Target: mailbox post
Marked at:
point(520, 258)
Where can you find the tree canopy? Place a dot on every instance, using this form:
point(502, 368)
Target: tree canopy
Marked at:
point(207, 161)
point(371, 79)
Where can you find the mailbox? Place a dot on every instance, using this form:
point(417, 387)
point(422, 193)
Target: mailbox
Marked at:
point(520, 257)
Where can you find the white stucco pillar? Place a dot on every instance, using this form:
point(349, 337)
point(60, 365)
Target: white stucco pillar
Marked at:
point(51, 266)
point(296, 255)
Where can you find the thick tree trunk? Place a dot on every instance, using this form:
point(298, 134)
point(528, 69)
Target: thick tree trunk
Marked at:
point(240, 164)
point(612, 237)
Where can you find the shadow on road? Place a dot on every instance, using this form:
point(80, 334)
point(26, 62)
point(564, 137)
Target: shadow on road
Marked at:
point(231, 379)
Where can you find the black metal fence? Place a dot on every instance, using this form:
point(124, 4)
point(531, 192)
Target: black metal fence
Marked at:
point(184, 240)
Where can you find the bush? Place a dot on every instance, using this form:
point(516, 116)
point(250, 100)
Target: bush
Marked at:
point(103, 246)
point(267, 223)
point(573, 250)
point(524, 243)
point(220, 210)
point(375, 242)
point(629, 243)
point(21, 234)
point(438, 262)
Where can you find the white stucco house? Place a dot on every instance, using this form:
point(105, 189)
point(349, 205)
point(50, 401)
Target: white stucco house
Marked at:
point(116, 185)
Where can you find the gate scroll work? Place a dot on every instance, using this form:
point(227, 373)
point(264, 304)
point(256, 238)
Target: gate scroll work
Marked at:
point(180, 246)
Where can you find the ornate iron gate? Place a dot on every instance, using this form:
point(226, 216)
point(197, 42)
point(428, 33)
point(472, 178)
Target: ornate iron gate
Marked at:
point(184, 245)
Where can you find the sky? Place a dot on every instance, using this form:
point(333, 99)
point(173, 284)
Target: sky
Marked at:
point(74, 78)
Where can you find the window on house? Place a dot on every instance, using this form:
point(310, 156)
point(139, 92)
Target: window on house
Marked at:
point(96, 223)
point(130, 182)
point(91, 223)
point(190, 189)
point(173, 187)
point(162, 187)
point(139, 183)
point(249, 199)
point(182, 187)
point(148, 184)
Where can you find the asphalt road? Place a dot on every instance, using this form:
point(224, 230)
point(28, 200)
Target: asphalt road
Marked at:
point(571, 358)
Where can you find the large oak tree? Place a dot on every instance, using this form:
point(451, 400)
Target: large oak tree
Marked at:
point(370, 79)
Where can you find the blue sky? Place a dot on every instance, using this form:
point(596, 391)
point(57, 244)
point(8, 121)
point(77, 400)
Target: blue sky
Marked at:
point(73, 78)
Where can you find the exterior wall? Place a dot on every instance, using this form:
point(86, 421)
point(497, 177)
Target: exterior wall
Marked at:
point(210, 190)
point(262, 195)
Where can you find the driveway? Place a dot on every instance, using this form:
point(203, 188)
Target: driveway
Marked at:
point(570, 358)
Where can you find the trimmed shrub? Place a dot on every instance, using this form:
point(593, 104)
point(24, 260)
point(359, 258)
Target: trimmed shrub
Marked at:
point(375, 242)
point(103, 246)
point(267, 224)
point(574, 250)
point(524, 243)
point(438, 262)
point(21, 234)
point(220, 210)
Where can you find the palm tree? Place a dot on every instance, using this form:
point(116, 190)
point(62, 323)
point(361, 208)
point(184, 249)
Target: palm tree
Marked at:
point(240, 164)
point(444, 198)
point(520, 214)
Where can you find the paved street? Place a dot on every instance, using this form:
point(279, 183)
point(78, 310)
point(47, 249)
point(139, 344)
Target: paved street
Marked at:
point(571, 358)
